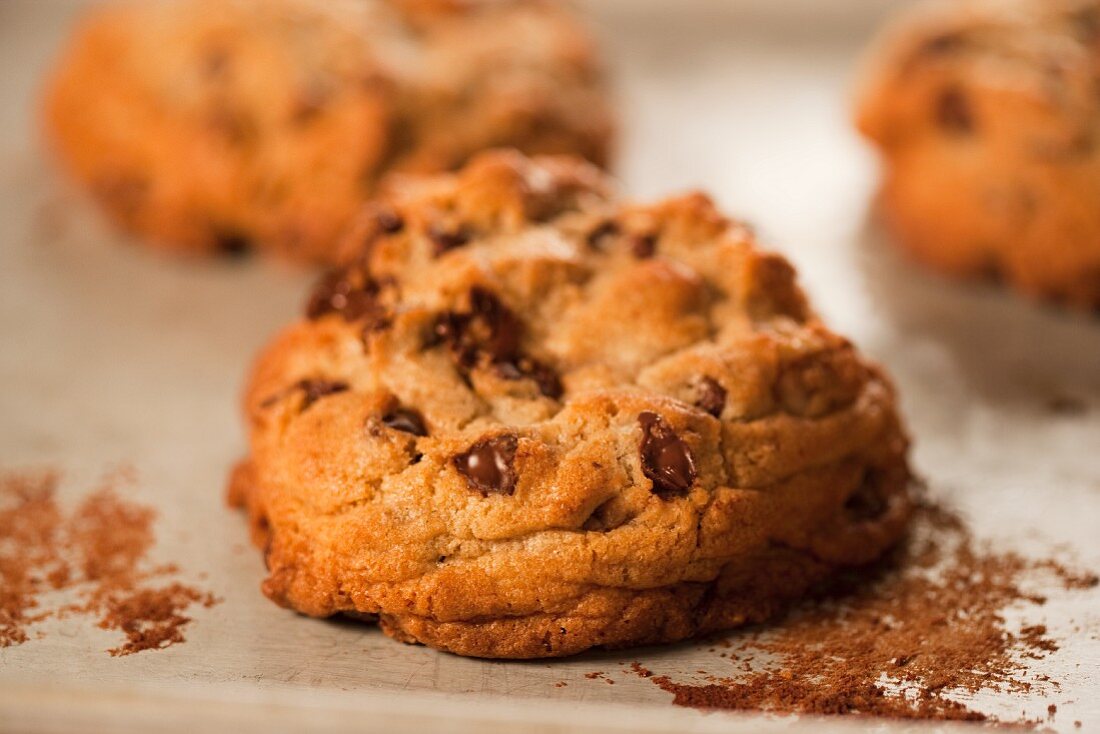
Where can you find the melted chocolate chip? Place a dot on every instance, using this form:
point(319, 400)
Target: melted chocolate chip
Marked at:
point(525, 368)
point(597, 238)
point(666, 459)
point(314, 390)
point(406, 420)
point(710, 395)
point(953, 113)
point(643, 246)
point(490, 334)
point(503, 327)
point(447, 239)
point(348, 292)
point(488, 465)
point(488, 328)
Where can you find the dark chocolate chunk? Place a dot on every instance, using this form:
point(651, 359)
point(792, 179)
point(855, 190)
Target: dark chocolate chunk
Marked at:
point(488, 328)
point(488, 465)
point(525, 368)
point(953, 112)
point(447, 239)
point(666, 459)
point(710, 395)
point(643, 245)
point(502, 328)
point(314, 390)
point(489, 334)
point(406, 420)
point(349, 292)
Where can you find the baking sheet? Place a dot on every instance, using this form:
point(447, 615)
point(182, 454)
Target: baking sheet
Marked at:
point(110, 355)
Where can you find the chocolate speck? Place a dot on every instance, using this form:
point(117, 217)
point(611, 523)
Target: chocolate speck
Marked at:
point(309, 103)
point(314, 390)
point(488, 465)
point(942, 43)
point(447, 239)
point(710, 395)
point(407, 420)
point(389, 221)
point(232, 243)
point(953, 112)
point(666, 459)
point(643, 246)
point(215, 62)
point(601, 232)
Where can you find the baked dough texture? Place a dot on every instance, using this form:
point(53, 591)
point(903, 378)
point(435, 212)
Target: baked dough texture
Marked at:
point(526, 418)
point(987, 116)
point(228, 125)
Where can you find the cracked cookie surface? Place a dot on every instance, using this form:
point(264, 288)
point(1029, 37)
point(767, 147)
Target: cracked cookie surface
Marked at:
point(526, 418)
point(228, 125)
point(987, 117)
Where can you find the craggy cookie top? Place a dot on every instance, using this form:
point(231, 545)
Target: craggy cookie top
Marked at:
point(229, 124)
point(523, 399)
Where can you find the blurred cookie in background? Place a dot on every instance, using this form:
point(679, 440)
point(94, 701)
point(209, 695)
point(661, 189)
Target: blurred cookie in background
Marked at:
point(211, 126)
point(987, 117)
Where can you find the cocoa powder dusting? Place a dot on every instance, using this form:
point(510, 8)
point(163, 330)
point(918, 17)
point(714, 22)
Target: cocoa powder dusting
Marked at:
point(907, 639)
point(96, 556)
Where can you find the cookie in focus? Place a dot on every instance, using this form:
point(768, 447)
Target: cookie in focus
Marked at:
point(531, 419)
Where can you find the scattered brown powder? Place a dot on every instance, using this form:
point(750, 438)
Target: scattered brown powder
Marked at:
point(901, 640)
point(97, 554)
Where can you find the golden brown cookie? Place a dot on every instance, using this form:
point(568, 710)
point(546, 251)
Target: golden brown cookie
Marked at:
point(988, 120)
point(225, 125)
point(529, 419)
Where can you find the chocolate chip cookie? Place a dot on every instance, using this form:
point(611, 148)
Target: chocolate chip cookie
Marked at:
point(988, 121)
point(226, 125)
point(526, 419)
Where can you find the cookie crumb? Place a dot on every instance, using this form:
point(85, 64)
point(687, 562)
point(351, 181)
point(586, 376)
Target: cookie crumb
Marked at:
point(900, 639)
point(97, 553)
